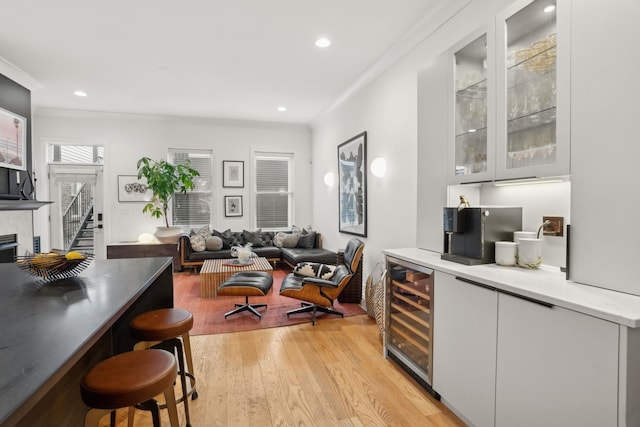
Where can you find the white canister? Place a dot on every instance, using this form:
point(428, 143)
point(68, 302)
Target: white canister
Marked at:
point(517, 235)
point(506, 253)
point(529, 252)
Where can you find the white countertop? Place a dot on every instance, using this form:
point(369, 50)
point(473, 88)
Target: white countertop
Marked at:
point(547, 284)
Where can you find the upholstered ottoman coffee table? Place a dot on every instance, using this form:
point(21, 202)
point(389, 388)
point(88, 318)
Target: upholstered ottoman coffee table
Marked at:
point(246, 284)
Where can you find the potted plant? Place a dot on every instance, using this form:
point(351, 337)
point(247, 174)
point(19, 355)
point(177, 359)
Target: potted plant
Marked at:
point(164, 180)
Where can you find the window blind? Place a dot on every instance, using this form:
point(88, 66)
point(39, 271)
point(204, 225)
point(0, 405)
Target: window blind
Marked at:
point(274, 190)
point(194, 208)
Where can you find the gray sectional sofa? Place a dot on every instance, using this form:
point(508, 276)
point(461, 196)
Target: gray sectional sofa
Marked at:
point(306, 248)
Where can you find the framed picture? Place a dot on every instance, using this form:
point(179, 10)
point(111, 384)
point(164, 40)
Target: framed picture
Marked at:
point(13, 140)
point(232, 174)
point(232, 205)
point(130, 189)
point(352, 191)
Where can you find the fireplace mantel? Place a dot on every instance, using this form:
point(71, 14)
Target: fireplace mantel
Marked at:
point(21, 205)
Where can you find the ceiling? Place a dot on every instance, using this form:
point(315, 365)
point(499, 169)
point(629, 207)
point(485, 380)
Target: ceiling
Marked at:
point(232, 59)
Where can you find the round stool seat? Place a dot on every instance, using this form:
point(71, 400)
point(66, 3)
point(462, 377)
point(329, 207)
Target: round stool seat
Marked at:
point(128, 378)
point(162, 324)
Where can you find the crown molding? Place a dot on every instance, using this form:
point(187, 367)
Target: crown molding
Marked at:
point(17, 75)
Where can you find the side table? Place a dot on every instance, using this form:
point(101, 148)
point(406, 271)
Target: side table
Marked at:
point(135, 249)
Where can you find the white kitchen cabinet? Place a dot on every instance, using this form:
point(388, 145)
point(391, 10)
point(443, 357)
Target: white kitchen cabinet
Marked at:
point(471, 121)
point(509, 113)
point(555, 367)
point(432, 135)
point(533, 93)
point(464, 358)
point(605, 149)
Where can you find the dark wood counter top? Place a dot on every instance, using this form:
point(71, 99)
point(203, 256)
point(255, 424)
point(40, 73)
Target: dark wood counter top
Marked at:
point(46, 328)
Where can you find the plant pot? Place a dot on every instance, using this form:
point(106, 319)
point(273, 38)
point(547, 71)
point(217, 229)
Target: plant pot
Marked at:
point(168, 234)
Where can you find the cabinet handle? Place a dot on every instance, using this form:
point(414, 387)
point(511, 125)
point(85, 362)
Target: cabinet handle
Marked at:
point(473, 282)
point(476, 182)
point(535, 301)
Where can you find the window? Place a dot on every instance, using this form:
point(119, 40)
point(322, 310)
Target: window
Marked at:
point(273, 190)
point(194, 208)
point(79, 154)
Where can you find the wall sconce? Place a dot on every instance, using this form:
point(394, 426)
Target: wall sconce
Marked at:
point(379, 167)
point(328, 179)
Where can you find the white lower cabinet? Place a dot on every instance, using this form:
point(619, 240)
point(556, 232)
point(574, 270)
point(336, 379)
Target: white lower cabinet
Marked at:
point(555, 367)
point(464, 348)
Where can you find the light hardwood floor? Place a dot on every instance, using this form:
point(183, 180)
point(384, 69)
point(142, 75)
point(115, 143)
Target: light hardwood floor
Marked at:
point(332, 374)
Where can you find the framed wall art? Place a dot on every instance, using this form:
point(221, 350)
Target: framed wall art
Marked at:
point(132, 189)
point(232, 174)
point(232, 205)
point(13, 140)
point(352, 190)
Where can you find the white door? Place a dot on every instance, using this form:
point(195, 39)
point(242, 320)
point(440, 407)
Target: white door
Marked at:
point(63, 181)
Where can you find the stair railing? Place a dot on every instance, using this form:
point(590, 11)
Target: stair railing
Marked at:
point(76, 214)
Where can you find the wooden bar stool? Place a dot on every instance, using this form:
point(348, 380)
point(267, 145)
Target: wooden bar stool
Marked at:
point(168, 329)
point(128, 379)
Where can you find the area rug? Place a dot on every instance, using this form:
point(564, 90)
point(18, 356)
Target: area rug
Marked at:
point(208, 313)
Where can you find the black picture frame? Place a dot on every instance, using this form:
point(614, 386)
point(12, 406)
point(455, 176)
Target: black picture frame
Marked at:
point(233, 174)
point(352, 186)
point(232, 206)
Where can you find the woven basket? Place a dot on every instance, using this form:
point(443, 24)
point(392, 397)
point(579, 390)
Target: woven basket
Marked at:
point(374, 294)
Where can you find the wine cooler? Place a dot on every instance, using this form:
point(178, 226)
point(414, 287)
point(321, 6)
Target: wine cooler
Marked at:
point(409, 318)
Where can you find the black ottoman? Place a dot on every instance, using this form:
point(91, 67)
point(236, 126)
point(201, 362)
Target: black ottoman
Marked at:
point(246, 284)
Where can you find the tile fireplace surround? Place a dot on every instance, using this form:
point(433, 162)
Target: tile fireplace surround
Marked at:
point(20, 223)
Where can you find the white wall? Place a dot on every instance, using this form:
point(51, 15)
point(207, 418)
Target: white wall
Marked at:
point(128, 137)
point(387, 110)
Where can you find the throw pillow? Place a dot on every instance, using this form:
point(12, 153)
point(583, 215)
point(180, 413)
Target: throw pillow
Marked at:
point(226, 236)
point(198, 243)
point(213, 243)
point(253, 237)
point(278, 238)
point(290, 241)
point(267, 238)
point(307, 241)
point(203, 231)
point(315, 269)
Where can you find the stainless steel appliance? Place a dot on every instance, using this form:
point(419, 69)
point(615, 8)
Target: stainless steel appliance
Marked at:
point(470, 233)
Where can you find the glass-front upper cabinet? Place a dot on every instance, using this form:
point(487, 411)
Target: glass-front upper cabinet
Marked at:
point(471, 153)
point(533, 96)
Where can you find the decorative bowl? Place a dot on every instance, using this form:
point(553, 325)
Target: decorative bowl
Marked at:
point(55, 265)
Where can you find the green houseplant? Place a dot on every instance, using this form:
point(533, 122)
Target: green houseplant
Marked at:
point(164, 180)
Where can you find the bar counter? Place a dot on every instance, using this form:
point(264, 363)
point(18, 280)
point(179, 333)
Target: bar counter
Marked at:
point(52, 333)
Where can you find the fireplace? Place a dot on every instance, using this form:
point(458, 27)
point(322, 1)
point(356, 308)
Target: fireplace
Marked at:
point(8, 247)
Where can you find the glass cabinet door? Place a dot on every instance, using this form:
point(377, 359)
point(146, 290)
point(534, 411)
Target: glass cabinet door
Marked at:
point(471, 108)
point(531, 145)
point(471, 150)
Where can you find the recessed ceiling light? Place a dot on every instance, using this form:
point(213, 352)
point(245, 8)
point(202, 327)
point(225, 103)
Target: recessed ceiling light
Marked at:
point(323, 42)
point(80, 93)
point(282, 108)
point(549, 9)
